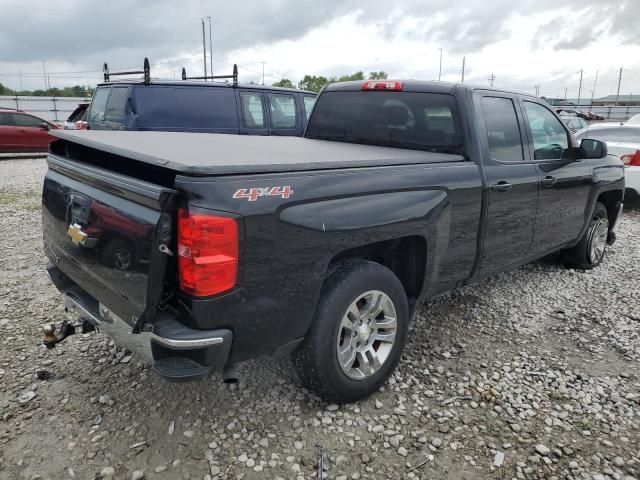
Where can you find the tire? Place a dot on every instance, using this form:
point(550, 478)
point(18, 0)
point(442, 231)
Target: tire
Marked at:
point(118, 253)
point(589, 251)
point(348, 293)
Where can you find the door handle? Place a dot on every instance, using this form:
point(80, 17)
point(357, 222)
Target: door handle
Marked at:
point(548, 181)
point(501, 186)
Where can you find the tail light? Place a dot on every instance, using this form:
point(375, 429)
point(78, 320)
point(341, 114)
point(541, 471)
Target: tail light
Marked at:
point(207, 253)
point(383, 85)
point(631, 159)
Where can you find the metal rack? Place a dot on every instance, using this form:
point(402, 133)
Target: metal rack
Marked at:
point(146, 71)
point(233, 76)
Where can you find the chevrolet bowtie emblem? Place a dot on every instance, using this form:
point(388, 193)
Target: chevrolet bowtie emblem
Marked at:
point(76, 234)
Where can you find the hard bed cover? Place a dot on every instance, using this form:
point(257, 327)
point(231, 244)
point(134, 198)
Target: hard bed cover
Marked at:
point(217, 154)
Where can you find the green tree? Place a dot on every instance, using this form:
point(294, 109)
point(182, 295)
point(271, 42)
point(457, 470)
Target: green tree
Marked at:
point(349, 78)
point(378, 75)
point(5, 90)
point(313, 83)
point(285, 83)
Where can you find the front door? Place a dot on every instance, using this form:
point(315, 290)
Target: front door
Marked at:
point(512, 182)
point(33, 137)
point(564, 183)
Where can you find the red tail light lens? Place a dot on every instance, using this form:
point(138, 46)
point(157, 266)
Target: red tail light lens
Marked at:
point(388, 85)
point(207, 253)
point(631, 160)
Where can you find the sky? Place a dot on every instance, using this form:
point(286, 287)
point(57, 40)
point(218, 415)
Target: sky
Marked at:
point(523, 43)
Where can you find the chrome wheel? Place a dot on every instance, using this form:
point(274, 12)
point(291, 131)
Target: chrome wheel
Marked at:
point(598, 240)
point(366, 335)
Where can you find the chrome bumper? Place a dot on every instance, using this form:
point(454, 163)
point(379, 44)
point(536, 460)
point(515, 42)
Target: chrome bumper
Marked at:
point(167, 333)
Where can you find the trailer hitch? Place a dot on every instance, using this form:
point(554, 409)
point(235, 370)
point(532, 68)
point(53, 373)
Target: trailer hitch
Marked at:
point(51, 338)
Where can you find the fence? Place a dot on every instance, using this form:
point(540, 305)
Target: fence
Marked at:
point(49, 108)
point(618, 114)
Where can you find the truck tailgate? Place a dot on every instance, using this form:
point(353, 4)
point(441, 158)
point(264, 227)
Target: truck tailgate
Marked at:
point(104, 230)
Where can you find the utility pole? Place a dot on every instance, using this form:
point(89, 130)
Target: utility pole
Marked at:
point(565, 94)
point(537, 87)
point(593, 92)
point(440, 70)
point(210, 48)
point(262, 72)
point(619, 82)
point(204, 48)
point(580, 87)
point(492, 77)
point(463, 61)
point(20, 73)
point(44, 76)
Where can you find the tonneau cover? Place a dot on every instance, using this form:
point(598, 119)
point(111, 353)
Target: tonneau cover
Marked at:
point(217, 154)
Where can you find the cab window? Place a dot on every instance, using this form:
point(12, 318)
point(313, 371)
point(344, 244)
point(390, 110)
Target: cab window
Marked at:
point(503, 130)
point(550, 139)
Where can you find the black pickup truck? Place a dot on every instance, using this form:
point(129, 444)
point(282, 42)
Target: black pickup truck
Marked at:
point(200, 251)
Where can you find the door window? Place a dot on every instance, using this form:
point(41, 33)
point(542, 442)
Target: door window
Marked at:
point(309, 102)
point(252, 111)
point(27, 121)
point(503, 129)
point(6, 120)
point(550, 140)
point(283, 111)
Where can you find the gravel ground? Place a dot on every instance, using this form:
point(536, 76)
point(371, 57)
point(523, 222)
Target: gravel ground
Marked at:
point(532, 374)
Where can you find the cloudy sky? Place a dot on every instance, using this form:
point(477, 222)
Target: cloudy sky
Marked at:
point(523, 43)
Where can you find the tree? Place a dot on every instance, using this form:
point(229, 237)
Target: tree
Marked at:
point(285, 83)
point(378, 75)
point(348, 78)
point(5, 90)
point(313, 83)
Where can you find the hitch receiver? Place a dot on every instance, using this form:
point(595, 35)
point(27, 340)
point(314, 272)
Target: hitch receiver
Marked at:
point(51, 338)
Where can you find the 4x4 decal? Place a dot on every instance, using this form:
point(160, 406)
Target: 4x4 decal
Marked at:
point(252, 194)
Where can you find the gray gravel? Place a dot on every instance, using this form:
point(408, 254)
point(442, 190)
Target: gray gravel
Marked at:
point(531, 374)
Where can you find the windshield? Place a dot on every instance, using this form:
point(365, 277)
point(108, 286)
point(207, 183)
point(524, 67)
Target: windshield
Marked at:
point(419, 121)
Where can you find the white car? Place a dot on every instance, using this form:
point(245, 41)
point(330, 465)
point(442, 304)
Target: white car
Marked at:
point(635, 120)
point(623, 141)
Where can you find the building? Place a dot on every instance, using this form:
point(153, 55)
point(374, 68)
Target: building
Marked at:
point(623, 100)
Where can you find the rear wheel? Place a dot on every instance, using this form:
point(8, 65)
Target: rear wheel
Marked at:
point(589, 251)
point(357, 335)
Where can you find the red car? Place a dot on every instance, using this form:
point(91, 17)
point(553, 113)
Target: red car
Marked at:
point(23, 132)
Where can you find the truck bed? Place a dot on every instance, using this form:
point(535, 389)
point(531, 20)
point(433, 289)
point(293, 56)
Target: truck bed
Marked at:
point(207, 154)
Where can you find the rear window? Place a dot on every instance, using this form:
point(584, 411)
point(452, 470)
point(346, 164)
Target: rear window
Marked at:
point(192, 109)
point(419, 121)
point(309, 102)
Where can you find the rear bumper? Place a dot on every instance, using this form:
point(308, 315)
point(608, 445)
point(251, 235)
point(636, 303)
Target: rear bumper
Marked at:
point(175, 351)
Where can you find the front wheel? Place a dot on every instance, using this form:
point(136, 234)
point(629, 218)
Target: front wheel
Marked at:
point(589, 251)
point(357, 335)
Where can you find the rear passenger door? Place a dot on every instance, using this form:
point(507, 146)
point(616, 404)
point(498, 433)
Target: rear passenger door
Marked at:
point(284, 115)
point(512, 182)
point(252, 111)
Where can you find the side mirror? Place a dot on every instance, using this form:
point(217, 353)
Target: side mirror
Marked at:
point(44, 126)
point(590, 148)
